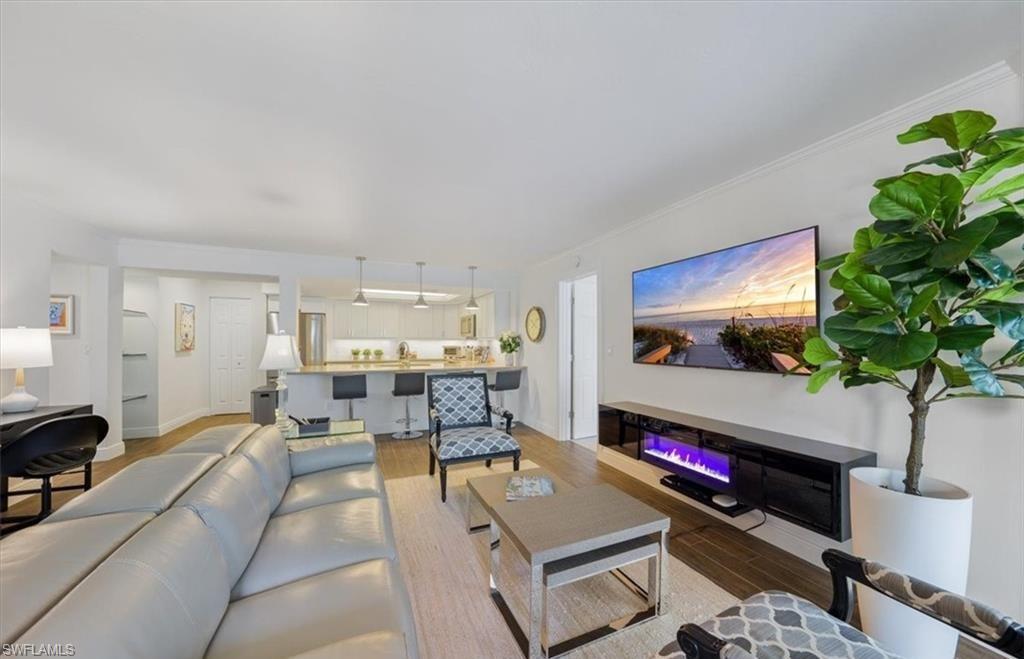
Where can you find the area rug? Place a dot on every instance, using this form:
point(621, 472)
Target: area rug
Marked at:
point(446, 570)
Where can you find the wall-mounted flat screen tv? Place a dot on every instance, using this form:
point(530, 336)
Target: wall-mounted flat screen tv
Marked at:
point(744, 308)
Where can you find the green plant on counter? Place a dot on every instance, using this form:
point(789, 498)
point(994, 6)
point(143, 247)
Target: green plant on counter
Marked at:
point(378, 353)
point(366, 353)
point(510, 342)
point(923, 291)
point(355, 353)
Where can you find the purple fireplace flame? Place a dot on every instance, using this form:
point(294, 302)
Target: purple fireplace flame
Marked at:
point(692, 458)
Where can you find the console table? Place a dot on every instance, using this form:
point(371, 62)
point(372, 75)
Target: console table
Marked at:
point(12, 425)
point(803, 481)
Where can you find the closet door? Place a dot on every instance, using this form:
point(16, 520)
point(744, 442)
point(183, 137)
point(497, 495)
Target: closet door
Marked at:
point(231, 375)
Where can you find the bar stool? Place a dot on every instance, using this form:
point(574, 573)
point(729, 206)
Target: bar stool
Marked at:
point(349, 387)
point(407, 385)
point(504, 381)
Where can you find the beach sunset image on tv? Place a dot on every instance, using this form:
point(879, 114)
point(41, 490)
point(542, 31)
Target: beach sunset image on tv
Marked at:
point(743, 308)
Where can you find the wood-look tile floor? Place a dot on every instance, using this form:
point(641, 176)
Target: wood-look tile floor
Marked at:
point(738, 562)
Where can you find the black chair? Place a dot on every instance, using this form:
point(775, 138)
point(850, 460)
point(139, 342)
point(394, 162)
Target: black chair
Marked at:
point(350, 388)
point(505, 381)
point(461, 415)
point(48, 449)
point(785, 625)
point(407, 385)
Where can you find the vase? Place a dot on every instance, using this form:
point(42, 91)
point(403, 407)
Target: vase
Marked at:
point(927, 536)
point(510, 359)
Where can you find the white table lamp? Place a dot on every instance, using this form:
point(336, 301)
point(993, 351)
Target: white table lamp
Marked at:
point(281, 354)
point(21, 348)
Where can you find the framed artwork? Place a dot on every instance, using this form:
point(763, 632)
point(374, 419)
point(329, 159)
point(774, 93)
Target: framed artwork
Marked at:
point(62, 314)
point(184, 327)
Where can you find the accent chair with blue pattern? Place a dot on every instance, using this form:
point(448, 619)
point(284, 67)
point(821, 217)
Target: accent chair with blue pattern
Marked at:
point(460, 413)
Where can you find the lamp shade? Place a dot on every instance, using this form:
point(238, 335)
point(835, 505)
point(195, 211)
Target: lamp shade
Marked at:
point(280, 353)
point(25, 347)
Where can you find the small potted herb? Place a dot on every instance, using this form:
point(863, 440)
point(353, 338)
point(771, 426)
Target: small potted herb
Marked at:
point(378, 354)
point(355, 354)
point(366, 353)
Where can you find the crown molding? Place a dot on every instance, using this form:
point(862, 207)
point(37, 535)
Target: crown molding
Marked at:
point(939, 99)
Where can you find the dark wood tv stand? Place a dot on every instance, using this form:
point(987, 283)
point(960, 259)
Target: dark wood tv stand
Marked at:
point(803, 481)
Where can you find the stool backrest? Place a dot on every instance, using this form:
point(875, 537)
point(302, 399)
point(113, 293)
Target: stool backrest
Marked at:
point(507, 380)
point(408, 384)
point(81, 432)
point(460, 399)
point(347, 387)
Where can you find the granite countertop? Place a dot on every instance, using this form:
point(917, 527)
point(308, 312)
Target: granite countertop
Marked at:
point(393, 366)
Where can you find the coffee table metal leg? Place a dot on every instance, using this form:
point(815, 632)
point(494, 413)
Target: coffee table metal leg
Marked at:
point(537, 596)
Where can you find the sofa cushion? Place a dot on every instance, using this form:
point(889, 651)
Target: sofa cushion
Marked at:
point(267, 450)
point(41, 564)
point(314, 612)
point(316, 540)
point(231, 501)
point(149, 485)
point(377, 645)
point(161, 594)
point(333, 485)
point(222, 440)
point(319, 453)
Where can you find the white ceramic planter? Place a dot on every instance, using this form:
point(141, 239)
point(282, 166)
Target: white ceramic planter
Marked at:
point(928, 536)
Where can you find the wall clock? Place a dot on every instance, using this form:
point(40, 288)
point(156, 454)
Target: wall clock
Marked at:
point(535, 324)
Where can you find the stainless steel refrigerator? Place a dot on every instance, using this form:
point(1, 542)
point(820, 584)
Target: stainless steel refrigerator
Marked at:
point(312, 338)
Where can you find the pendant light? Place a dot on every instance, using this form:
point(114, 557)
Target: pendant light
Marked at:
point(420, 302)
point(360, 300)
point(472, 305)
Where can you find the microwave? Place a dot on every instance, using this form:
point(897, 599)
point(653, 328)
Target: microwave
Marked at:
point(467, 326)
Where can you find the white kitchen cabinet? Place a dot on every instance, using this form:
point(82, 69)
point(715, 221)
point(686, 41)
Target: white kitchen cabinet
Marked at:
point(452, 315)
point(390, 325)
point(414, 323)
point(341, 320)
point(485, 317)
point(437, 321)
point(359, 321)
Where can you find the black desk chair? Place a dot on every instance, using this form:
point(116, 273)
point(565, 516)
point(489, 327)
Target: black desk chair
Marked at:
point(46, 450)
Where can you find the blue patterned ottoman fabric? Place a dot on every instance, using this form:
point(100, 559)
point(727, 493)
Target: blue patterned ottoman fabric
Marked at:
point(467, 442)
point(777, 625)
point(460, 401)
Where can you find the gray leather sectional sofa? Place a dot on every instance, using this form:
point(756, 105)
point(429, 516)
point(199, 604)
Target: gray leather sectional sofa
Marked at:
point(228, 545)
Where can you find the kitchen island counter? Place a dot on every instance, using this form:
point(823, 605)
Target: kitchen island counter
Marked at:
point(384, 366)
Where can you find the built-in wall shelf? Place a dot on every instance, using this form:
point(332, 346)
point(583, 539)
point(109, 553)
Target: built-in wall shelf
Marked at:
point(128, 397)
point(133, 354)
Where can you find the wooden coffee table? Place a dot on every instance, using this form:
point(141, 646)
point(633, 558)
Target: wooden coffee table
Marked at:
point(572, 535)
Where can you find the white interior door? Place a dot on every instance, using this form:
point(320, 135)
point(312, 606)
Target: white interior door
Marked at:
point(231, 375)
point(584, 357)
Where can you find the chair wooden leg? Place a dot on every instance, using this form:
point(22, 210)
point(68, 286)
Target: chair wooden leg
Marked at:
point(88, 476)
point(444, 483)
point(515, 462)
point(432, 462)
point(487, 463)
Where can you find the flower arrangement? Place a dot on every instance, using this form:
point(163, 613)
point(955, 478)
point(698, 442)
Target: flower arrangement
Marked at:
point(510, 342)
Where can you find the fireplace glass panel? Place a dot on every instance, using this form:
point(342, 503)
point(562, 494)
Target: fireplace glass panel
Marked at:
point(688, 459)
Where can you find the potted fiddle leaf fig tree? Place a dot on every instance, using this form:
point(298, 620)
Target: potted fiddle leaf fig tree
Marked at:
point(930, 304)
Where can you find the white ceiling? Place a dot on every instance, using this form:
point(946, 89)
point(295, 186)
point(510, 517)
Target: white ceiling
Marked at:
point(439, 131)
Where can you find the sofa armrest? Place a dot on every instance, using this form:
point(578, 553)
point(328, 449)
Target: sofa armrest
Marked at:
point(971, 618)
point(320, 453)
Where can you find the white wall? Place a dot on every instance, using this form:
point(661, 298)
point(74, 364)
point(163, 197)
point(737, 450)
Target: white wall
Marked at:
point(978, 444)
point(30, 236)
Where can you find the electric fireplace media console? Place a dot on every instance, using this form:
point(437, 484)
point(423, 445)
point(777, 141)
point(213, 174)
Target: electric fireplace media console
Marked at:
point(801, 480)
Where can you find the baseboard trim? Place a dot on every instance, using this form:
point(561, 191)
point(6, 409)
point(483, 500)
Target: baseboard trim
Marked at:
point(109, 451)
point(189, 417)
point(141, 432)
point(539, 425)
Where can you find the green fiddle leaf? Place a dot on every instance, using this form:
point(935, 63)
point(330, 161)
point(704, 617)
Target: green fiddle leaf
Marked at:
point(988, 270)
point(953, 376)
point(1015, 352)
point(852, 381)
point(984, 170)
point(981, 377)
point(1001, 140)
point(960, 129)
point(953, 284)
point(1010, 377)
point(842, 328)
point(898, 252)
point(942, 196)
point(937, 315)
point(1003, 189)
point(817, 352)
point(1009, 225)
point(947, 160)
point(841, 302)
point(893, 227)
point(852, 266)
point(916, 133)
point(964, 337)
point(876, 320)
point(820, 377)
point(870, 292)
point(961, 243)
point(920, 303)
point(832, 262)
point(1007, 316)
point(899, 200)
point(902, 351)
point(876, 369)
